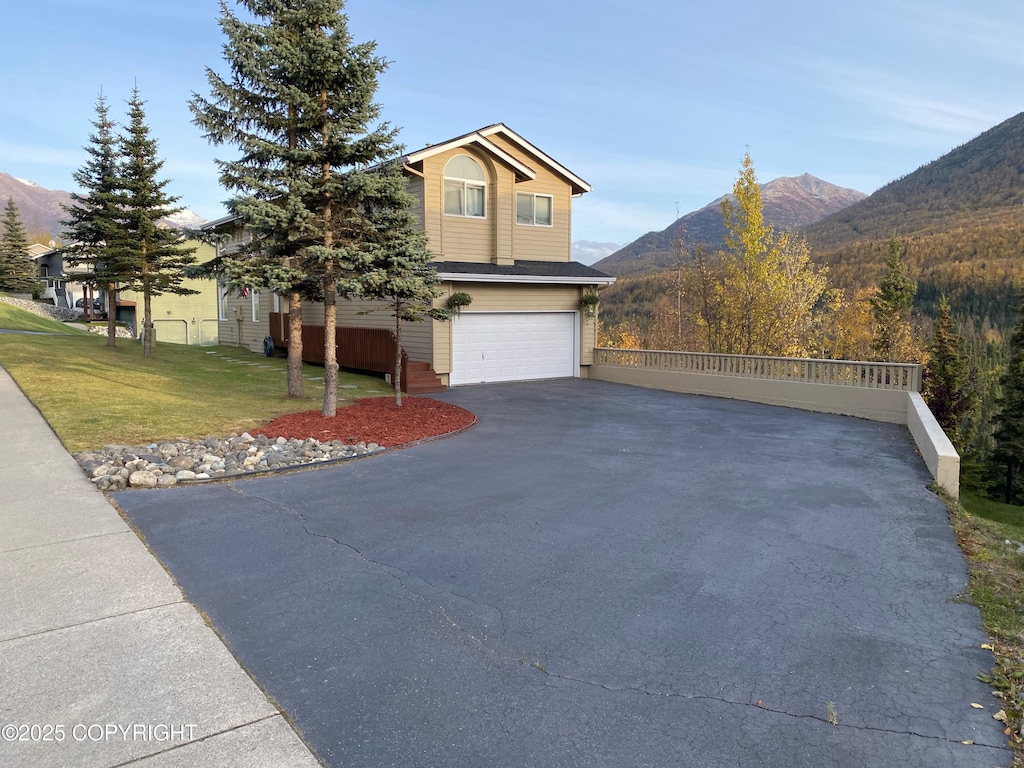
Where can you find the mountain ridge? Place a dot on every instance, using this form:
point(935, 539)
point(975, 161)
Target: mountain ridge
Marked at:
point(790, 202)
point(981, 175)
point(41, 209)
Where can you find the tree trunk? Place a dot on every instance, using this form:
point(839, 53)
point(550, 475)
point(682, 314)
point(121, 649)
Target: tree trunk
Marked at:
point(330, 341)
point(295, 388)
point(398, 354)
point(330, 284)
point(295, 345)
point(147, 322)
point(111, 314)
point(1009, 481)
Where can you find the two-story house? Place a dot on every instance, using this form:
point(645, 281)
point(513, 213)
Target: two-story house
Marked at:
point(498, 214)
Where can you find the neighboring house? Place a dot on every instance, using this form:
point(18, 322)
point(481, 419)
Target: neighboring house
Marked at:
point(498, 214)
point(176, 319)
point(58, 284)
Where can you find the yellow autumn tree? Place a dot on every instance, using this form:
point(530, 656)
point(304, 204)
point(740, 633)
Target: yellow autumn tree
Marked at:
point(760, 298)
point(622, 335)
point(843, 327)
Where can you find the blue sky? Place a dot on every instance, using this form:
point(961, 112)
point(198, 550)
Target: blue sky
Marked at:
point(653, 103)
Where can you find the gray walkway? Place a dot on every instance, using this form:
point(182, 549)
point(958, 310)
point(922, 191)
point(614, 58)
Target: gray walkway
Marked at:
point(601, 576)
point(102, 661)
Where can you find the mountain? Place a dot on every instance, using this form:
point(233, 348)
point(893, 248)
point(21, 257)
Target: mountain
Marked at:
point(41, 212)
point(588, 251)
point(961, 220)
point(185, 219)
point(40, 208)
point(790, 202)
point(983, 177)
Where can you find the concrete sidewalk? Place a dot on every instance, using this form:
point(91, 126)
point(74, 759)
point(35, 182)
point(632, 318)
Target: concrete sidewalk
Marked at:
point(102, 660)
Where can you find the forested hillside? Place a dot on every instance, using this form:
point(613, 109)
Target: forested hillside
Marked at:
point(961, 218)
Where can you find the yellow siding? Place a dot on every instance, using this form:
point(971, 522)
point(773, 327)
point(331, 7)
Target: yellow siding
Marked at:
point(497, 297)
point(183, 319)
point(588, 338)
point(497, 238)
point(461, 238)
point(441, 357)
point(414, 186)
point(532, 242)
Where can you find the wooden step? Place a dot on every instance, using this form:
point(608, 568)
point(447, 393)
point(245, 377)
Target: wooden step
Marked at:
point(420, 379)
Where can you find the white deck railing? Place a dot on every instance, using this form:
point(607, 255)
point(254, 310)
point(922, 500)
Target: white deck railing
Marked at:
point(846, 373)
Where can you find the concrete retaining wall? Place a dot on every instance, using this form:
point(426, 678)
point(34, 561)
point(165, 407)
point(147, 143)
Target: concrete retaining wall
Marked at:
point(892, 406)
point(936, 449)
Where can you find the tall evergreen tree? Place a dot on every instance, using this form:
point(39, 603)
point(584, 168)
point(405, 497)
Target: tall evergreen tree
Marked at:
point(94, 227)
point(153, 252)
point(17, 270)
point(949, 381)
point(1009, 418)
point(299, 105)
point(891, 307)
point(401, 275)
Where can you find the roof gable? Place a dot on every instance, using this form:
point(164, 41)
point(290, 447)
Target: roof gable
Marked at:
point(522, 170)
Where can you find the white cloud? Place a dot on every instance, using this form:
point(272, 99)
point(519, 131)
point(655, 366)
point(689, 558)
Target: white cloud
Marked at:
point(988, 34)
point(910, 112)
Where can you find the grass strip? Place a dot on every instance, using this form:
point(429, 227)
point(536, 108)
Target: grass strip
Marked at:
point(991, 536)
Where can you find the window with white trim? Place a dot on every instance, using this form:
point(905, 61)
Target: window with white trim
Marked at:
point(535, 210)
point(255, 306)
point(465, 188)
point(222, 300)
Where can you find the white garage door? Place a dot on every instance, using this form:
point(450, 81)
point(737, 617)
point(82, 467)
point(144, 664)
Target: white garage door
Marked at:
point(513, 346)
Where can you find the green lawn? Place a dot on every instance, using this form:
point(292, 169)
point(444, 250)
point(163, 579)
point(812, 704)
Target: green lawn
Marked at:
point(93, 395)
point(1007, 514)
point(16, 319)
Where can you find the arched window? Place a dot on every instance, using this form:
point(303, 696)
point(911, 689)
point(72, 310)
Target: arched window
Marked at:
point(465, 187)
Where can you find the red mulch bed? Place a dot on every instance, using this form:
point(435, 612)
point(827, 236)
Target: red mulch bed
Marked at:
point(374, 420)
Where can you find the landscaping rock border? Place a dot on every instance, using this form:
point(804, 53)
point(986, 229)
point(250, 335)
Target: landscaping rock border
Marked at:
point(165, 464)
point(43, 310)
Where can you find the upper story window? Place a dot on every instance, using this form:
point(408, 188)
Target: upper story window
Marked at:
point(533, 209)
point(465, 187)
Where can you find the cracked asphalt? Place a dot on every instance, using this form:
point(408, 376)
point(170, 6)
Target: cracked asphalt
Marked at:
point(597, 575)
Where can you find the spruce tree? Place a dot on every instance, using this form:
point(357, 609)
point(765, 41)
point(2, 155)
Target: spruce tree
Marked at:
point(17, 270)
point(298, 104)
point(891, 307)
point(401, 274)
point(1009, 418)
point(94, 227)
point(949, 382)
point(151, 251)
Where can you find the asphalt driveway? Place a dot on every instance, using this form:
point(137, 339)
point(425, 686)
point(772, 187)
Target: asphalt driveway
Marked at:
point(597, 575)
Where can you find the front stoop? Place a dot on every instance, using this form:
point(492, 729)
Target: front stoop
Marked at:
point(420, 379)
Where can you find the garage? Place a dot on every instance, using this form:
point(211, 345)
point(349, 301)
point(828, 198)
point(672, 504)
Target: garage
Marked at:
point(513, 346)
